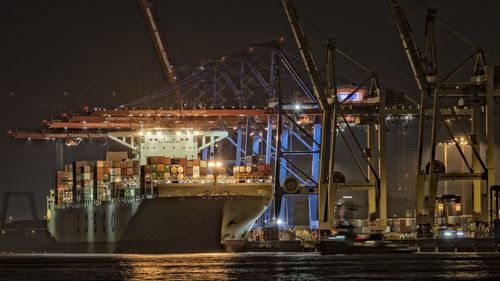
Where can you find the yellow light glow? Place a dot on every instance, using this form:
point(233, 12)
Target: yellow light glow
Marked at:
point(440, 207)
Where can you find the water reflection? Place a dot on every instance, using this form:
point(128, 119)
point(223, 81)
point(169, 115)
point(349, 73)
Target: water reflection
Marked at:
point(249, 266)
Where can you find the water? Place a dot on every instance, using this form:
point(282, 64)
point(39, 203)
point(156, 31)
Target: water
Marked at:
point(250, 266)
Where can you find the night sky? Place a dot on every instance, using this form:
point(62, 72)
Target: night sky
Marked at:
point(57, 56)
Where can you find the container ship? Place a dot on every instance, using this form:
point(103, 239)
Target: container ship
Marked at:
point(165, 200)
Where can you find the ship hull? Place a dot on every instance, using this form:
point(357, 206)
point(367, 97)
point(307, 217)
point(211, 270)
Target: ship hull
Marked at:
point(184, 224)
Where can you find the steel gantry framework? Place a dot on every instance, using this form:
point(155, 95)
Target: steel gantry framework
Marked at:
point(477, 94)
point(257, 103)
point(295, 117)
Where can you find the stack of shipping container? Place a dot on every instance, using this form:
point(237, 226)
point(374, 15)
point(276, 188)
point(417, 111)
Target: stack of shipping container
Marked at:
point(85, 181)
point(124, 178)
point(103, 183)
point(64, 185)
point(256, 171)
point(159, 168)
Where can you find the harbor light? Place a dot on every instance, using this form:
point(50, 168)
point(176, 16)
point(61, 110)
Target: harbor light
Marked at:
point(448, 234)
point(297, 106)
point(279, 221)
point(213, 164)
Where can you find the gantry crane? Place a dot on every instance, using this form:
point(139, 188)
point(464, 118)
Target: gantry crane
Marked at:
point(326, 192)
point(424, 86)
point(425, 72)
point(166, 65)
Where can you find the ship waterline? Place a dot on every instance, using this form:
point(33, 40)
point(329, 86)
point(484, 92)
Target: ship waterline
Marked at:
point(182, 218)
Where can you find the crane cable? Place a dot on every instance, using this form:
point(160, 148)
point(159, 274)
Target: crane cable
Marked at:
point(424, 5)
point(351, 59)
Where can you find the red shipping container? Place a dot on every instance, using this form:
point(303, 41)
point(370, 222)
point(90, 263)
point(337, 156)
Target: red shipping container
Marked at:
point(203, 171)
point(261, 167)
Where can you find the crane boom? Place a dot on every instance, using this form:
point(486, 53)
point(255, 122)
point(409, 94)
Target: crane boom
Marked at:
point(326, 188)
point(409, 44)
point(306, 54)
point(160, 48)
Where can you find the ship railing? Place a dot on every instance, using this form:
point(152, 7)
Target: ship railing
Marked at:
point(219, 181)
point(98, 202)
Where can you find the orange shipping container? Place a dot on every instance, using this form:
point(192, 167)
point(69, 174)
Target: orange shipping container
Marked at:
point(167, 161)
point(160, 167)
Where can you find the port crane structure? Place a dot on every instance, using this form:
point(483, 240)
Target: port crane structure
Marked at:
point(258, 103)
point(477, 94)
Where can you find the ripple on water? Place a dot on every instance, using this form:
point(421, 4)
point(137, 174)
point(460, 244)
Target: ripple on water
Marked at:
point(249, 266)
